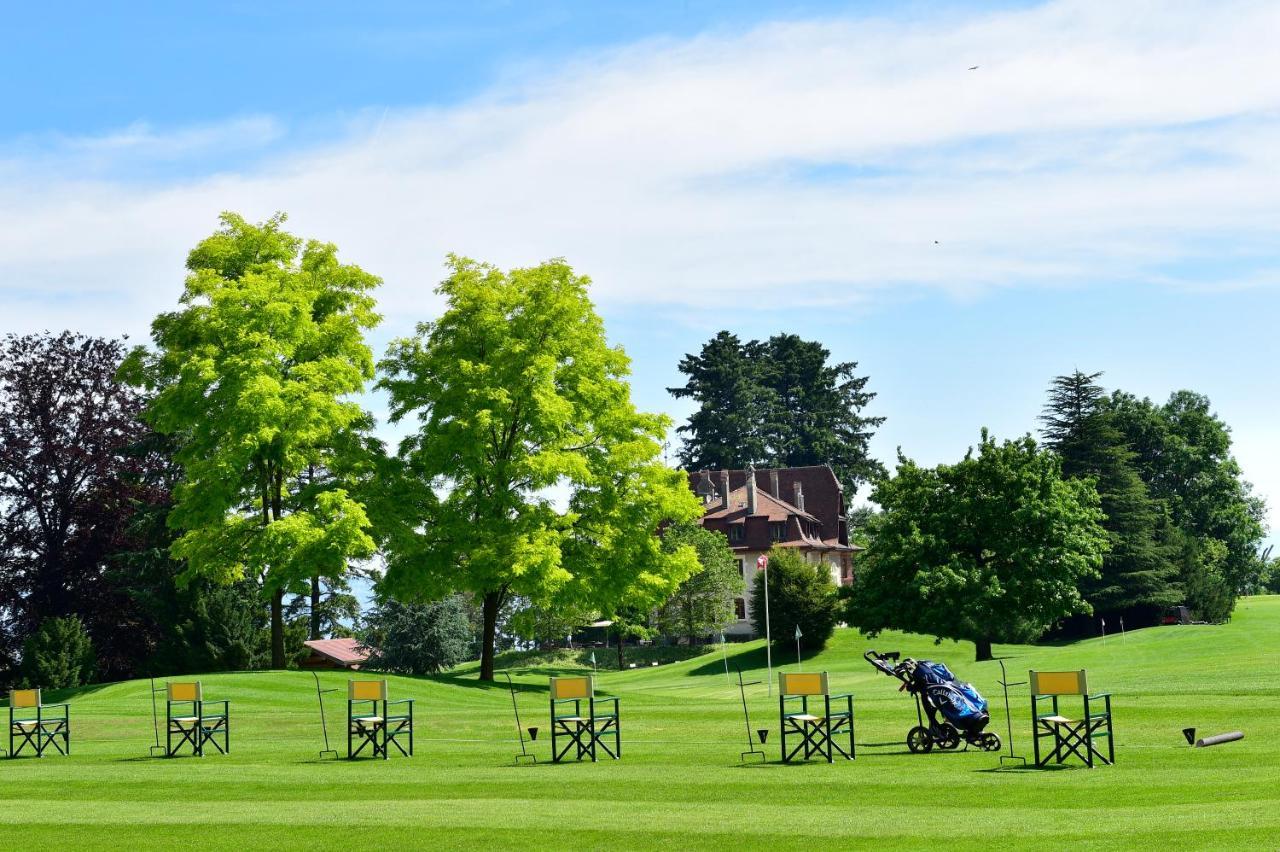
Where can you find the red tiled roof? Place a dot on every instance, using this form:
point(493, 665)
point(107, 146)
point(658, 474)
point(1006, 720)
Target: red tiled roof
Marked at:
point(766, 504)
point(343, 651)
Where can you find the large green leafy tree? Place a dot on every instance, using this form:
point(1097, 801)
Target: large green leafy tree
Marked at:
point(518, 401)
point(776, 403)
point(1182, 451)
point(253, 374)
point(703, 605)
point(1139, 575)
point(991, 549)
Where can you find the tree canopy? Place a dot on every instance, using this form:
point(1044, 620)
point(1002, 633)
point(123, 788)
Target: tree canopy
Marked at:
point(530, 472)
point(1139, 575)
point(801, 594)
point(1182, 451)
point(703, 604)
point(776, 403)
point(252, 376)
point(69, 488)
point(991, 549)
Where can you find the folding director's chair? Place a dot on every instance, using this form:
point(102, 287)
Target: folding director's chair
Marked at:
point(40, 731)
point(1070, 736)
point(370, 721)
point(819, 728)
point(585, 732)
point(189, 719)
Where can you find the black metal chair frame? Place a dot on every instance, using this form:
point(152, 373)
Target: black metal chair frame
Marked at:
point(368, 727)
point(197, 728)
point(585, 732)
point(817, 733)
point(41, 732)
point(1071, 736)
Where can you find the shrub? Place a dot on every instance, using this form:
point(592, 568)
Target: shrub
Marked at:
point(417, 638)
point(799, 593)
point(58, 655)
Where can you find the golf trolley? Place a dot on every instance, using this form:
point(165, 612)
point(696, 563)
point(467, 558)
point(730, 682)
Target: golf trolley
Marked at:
point(955, 710)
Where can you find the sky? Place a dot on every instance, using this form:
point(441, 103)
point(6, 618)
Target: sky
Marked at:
point(1101, 192)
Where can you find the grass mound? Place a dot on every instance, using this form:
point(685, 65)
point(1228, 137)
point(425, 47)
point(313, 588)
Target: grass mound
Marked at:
point(680, 783)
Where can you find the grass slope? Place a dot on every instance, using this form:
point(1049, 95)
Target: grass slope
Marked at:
point(680, 784)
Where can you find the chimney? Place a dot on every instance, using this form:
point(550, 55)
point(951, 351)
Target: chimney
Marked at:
point(751, 491)
point(799, 501)
point(773, 484)
point(724, 489)
point(704, 488)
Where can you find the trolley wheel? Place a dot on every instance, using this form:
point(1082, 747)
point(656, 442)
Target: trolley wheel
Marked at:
point(948, 738)
point(990, 742)
point(919, 741)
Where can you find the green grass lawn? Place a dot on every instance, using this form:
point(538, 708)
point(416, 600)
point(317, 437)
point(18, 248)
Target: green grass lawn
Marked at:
point(679, 784)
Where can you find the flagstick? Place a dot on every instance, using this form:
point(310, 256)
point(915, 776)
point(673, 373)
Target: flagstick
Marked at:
point(797, 649)
point(768, 635)
point(1104, 630)
point(724, 650)
point(1122, 636)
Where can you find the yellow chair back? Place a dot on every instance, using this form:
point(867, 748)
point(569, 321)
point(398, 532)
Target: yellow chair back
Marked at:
point(185, 691)
point(1059, 683)
point(22, 698)
point(802, 683)
point(367, 690)
point(572, 687)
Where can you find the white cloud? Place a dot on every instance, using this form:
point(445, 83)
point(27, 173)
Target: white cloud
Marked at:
point(822, 159)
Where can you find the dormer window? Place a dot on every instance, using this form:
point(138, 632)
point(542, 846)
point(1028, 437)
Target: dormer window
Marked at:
point(777, 530)
point(736, 533)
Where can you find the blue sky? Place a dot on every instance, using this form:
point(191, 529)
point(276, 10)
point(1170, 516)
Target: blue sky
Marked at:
point(1102, 192)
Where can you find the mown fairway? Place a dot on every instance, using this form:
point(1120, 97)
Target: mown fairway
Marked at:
point(680, 785)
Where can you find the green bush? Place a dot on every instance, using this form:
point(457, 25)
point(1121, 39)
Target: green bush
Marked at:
point(799, 593)
point(58, 655)
point(417, 639)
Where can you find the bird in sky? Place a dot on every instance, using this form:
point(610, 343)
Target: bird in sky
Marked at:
point(973, 67)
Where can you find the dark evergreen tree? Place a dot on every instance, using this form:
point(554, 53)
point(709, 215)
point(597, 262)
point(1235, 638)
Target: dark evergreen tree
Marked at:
point(417, 638)
point(1183, 453)
point(815, 410)
point(726, 431)
point(777, 403)
point(1139, 576)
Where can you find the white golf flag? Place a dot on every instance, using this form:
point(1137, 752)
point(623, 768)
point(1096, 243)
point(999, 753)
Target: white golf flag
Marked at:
point(593, 658)
point(798, 633)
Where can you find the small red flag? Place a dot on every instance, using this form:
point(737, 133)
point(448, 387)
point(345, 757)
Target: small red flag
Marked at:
point(762, 562)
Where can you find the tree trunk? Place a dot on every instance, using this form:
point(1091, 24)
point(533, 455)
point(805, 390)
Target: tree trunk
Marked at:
point(277, 629)
point(492, 603)
point(621, 662)
point(983, 648)
point(315, 607)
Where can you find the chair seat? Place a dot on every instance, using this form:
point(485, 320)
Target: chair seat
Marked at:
point(184, 720)
point(802, 717)
point(571, 718)
point(1057, 720)
point(374, 720)
point(29, 723)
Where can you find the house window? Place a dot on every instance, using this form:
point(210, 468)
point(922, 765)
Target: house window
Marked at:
point(777, 531)
point(735, 533)
point(742, 573)
point(740, 609)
